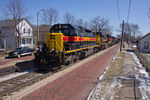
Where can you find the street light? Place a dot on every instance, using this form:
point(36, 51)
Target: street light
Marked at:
point(38, 24)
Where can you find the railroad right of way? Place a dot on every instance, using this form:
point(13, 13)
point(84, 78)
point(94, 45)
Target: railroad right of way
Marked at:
point(24, 84)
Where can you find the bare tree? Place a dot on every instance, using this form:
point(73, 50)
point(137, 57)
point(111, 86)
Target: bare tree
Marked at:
point(69, 18)
point(86, 24)
point(98, 23)
point(107, 30)
point(81, 22)
point(131, 31)
point(134, 30)
point(16, 11)
point(50, 16)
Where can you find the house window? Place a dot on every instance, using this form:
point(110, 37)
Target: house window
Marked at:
point(139, 44)
point(24, 30)
point(34, 41)
point(146, 45)
point(29, 41)
point(29, 31)
point(23, 41)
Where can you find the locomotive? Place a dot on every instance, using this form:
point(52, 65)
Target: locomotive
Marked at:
point(67, 43)
point(107, 40)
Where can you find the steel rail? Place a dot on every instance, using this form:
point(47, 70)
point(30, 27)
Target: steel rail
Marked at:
point(17, 83)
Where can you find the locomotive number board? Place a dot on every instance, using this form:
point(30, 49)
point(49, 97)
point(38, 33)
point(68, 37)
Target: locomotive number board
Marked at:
point(52, 36)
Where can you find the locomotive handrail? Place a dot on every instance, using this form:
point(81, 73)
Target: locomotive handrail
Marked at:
point(81, 49)
point(59, 53)
point(56, 43)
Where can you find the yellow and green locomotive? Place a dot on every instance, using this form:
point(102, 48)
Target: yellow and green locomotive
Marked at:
point(67, 43)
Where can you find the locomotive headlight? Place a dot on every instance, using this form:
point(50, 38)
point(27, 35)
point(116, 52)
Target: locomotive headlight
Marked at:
point(53, 49)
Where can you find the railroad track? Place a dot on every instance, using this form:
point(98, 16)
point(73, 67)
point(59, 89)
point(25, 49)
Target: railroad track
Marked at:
point(14, 84)
point(17, 83)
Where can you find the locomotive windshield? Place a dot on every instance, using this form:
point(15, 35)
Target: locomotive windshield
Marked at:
point(66, 29)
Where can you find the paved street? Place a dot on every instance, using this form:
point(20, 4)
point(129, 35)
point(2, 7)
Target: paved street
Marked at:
point(77, 84)
point(11, 61)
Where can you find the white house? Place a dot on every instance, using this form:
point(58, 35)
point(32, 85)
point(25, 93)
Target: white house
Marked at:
point(144, 44)
point(8, 32)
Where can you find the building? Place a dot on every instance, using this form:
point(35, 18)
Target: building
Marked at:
point(8, 33)
point(144, 44)
point(43, 30)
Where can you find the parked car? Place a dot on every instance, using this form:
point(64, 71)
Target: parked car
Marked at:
point(20, 51)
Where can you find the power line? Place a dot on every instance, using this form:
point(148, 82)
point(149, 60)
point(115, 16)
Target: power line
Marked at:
point(118, 11)
point(129, 11)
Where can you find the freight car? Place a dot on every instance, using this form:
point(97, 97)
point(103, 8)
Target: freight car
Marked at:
point(107, 40)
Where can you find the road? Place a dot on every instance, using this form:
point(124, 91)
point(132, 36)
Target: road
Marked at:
point(12, 61)
point(77, 84)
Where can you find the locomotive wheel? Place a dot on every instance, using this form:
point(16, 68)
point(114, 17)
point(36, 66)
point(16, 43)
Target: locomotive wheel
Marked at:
point(94, 50)
point(65, 62)
point(75, 60)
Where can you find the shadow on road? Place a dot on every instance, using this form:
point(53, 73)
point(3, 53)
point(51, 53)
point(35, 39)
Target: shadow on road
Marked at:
point(30, 66)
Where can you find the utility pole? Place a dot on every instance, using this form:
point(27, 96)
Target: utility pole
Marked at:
point(5, 44)
point(38, 26)
point(122, 36)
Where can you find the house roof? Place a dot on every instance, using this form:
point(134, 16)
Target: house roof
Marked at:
point(11, 22)
point(143, 37)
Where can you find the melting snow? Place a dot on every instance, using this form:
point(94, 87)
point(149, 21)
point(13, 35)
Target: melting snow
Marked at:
point(10, 76)
point(136, 59)
point(101, 77)
point(143, 78)
point(143, 72)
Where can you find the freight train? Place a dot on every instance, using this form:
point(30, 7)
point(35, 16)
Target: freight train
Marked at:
point(67, 43)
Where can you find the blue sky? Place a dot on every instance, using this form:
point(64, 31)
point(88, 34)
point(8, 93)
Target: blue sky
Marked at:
point(87, 9)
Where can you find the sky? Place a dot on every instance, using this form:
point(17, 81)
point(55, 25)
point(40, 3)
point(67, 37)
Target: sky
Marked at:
point(88, 9)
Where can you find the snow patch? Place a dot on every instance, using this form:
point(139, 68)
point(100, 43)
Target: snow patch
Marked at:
point(143, 78)
point(136, 59)
point(10, 76)
point(110, 89)
point(101, 77)
point(91, 93)
point(144, 86)
point(143, 72)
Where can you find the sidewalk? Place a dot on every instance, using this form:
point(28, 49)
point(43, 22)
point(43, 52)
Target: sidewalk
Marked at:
point(125, 79)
